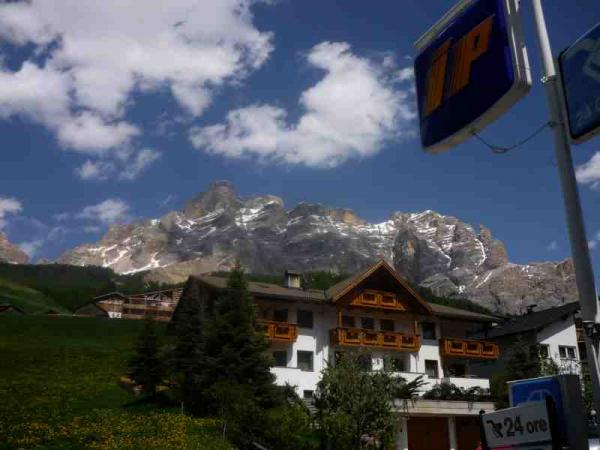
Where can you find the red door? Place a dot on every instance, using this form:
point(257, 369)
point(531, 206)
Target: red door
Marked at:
point(428, 433)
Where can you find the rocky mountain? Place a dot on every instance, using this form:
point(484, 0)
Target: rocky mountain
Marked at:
point(10, 253)
point(432, 250)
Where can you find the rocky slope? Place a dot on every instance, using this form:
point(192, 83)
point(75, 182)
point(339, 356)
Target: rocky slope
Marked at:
point(432, 250)
point(10, 253)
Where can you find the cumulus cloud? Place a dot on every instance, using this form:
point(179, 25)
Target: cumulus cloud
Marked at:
point(109, 211)
point(90, 57)
point(350, 113)
point(589, 172)
point(8, 205)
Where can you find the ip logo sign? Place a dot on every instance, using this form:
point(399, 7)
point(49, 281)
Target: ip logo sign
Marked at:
point(580, 74)
point(471, 68)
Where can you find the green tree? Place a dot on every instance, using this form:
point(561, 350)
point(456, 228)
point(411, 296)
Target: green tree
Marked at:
point(523, 362)
point(147, 368)
point(354, 405)
point(187, 356)
point(235, 344)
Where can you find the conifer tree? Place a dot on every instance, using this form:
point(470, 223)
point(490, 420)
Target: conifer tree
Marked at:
point(146, 368)
point(235, 344)
point(187, 356)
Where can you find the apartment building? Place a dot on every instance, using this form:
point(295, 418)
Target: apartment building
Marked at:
point(378, 312)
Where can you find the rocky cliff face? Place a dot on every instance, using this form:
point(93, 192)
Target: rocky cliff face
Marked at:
point(432, 250)
point(10, 253)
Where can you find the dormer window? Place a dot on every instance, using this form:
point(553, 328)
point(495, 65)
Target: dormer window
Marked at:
point(293, 280)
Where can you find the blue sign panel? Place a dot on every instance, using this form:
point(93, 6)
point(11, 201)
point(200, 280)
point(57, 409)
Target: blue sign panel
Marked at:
point(537, 389)
point(470, 69)
point(580, 74)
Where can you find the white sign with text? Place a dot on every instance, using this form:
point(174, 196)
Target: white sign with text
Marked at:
point(524, 424)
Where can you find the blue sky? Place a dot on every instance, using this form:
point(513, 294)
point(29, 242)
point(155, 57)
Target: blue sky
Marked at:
point(145, 109)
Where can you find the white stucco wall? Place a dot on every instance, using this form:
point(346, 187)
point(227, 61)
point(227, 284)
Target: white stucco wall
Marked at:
point(560, 333)
point(316, 340)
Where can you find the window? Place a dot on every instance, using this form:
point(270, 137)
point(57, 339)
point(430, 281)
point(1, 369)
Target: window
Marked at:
point(280, 315)
point(305, 361)
point(366, 362)
point(305, 318)
point(280, 358)
point(307, 394)
point(431, 368)
point(428, 330)
point(457, 370)
point(386, 325)
point(566, 352)
point(348, 322)
point(394, 364)
point(544, 351)
point(367, 323)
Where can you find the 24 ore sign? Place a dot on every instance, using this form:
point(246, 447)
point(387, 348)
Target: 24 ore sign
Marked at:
point(471, 67)
point(529, 424)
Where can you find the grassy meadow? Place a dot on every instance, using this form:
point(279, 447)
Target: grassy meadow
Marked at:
point(59, 390)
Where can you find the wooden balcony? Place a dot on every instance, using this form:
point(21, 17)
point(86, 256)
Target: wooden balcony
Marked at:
point(469, 348)
point(378, 300)
point(380, 339)
point(280, 331)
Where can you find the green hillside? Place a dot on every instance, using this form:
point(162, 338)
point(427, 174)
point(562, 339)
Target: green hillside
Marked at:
point(29, 300)
point(59, 390)
point(70, 286)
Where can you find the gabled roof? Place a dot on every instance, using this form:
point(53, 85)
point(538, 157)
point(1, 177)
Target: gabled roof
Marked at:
point(343, 287)
point(456, 313)
point(111, 294)
point(533, 321)
point(4, 307)
point(267, 289)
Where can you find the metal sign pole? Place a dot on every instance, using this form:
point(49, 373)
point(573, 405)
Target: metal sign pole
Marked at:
point(579, 246)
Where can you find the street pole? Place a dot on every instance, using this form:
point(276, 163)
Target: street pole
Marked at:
point(584, 273)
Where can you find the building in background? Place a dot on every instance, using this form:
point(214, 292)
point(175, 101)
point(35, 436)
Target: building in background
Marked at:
point(556, 332)
point(158, 305)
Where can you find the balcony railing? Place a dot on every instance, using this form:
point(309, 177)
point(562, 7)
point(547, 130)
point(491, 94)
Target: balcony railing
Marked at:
point(469, 348)
point(371, 338)
point(280, 331)
point(378, 299)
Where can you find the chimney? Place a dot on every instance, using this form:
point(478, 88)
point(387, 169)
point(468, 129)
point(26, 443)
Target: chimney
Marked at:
point(530, 308)
point(293, 279)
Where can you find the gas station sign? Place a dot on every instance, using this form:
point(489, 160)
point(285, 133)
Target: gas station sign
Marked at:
point(471, 68)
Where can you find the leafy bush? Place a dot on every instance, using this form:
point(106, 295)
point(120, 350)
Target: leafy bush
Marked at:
point(449, 391)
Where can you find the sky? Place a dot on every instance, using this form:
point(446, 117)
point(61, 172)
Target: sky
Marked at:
point(112, 113)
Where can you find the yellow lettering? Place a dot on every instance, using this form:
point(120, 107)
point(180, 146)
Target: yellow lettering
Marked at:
point(466, 51)
point(435, 78)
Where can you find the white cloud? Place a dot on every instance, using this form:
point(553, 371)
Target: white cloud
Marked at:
point(107, 212)
point(8, 205)
point(139, 163)
point(92, 229)
point(350, 113)
point(589, 172)
point(31, 247)
point(91, 57)
point(592, 244)
point(552, 246)
point(95, 170)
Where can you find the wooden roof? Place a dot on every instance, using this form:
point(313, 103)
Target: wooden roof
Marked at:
point(338, 290)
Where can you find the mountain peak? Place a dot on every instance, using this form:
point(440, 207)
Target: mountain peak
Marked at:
point(10, 253)
point(219, 195)
point(432, 250)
